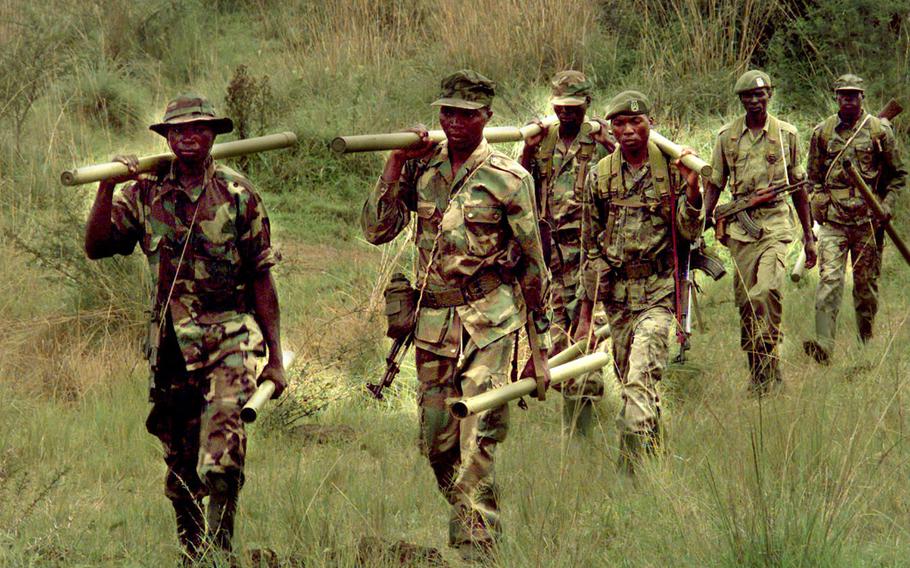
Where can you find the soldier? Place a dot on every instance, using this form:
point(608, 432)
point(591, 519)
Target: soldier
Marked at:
point(847, 226)
point(554, 158)
point(640, 210)
point(214, 310)
point(753, 152)
point(480, 277)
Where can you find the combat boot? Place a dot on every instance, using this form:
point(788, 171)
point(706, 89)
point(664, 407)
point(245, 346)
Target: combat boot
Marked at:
point(864, 326)
point(224, 491)
point(634, 446)
point(577, 416)
point(190, 528)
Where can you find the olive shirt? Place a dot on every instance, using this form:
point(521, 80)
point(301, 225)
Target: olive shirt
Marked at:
point(486, 218)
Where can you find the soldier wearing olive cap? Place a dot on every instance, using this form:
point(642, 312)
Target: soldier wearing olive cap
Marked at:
point(637, 205)
point(214, 310)
point(847, 226)
point(555, 158)
point(753, 152)
point(480, 271)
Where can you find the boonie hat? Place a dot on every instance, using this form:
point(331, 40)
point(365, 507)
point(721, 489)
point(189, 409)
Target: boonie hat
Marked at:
point(570, 88)
point(849, 82)
point(466, 89)
point(189, 108)
point(628, 102)
point(751, 80)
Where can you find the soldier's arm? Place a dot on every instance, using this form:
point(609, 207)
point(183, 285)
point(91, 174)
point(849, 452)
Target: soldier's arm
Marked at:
point(268, 316)
point(800, 199)
point(718, 180)
point(689, 205)
point(894, 169)
point(387, 209)
point(592, 257)
point(112, 226)
point(815, 161)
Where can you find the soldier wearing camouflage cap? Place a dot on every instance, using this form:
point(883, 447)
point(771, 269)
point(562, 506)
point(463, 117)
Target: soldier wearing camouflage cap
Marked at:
point(480, 273)
point(555, 158)
point(637, 206)
point(847, 226)
point(214, 311)
point(753, 152)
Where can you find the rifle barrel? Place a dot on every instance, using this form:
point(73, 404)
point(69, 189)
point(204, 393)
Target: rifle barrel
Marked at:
point(666, 145)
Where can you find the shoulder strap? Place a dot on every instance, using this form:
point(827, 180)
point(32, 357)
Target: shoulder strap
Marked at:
point(660, 170)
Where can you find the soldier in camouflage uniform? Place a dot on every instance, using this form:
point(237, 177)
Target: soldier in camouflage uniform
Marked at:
point(554, 158)
point(480, 274)
point(753, 152)
point(214, 310)
point(847, 226)
point(639, 206)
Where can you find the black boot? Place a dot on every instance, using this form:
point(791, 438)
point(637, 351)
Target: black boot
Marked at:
point(865, 328)
point(190, 528)
point(224, 490)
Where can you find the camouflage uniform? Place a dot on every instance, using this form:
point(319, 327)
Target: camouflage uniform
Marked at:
point(847, 226)
point(204, 341)
point(555, 168)
point(476, 234)
point(751, 163)
point(629, 267)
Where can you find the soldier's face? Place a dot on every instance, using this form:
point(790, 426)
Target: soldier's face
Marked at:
point(463, 127)
point(850, 102)
point(631, 131)
point(570, 114)
point(755, 101)
point(191, 142)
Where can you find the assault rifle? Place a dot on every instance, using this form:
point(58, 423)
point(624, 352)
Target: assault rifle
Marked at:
point(694, 258)
point(739, 208)
point(393, 365)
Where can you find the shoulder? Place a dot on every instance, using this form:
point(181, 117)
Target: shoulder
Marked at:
point(787, 127)
point(499, 162)
point(726, 128)
point(236, 183)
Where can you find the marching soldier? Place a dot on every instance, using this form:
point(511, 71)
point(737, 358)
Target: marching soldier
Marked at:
point(847, 226)
point(481, 277)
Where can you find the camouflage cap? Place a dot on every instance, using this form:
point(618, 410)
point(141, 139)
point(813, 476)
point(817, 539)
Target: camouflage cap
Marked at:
point(466, 89)
point(189, 108)
point(751, 80)
point(849, 82)
point(628, 102)
point(570, 88)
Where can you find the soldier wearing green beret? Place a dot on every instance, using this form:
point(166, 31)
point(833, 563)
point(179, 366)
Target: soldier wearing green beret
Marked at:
point(847, 226)
point(637, 207)
point(480, 274)
point(555, 158)
point(214, 311)
point(752, 153)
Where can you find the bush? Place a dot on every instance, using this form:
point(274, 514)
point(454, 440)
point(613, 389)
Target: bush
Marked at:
point(109, 99)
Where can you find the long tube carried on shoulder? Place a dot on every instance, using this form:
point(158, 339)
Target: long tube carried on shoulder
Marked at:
point(264, 392)
point(107, 170)
point(573, 351)
point(666, 145)
point(399, 140)
point(499, 396)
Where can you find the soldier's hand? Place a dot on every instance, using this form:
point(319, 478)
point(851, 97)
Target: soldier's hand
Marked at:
point(542, 378)
point(532, 142)
point(131, 161)
point(881, 222)
point(811, 252)
point(421, 149)
point(274, 371)
point(690, 175)
point(604, 136)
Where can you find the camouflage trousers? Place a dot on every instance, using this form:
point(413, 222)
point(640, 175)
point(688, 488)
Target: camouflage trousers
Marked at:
point(641, 348)
point(196, 416)
point(835, 242)
point(461, 451)
point(565, 313)
point(758, 279)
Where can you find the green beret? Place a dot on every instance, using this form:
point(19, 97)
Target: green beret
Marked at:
point(466, 89)
point(751, 80)
point(570, 88)
point(628, 102)
point(849, 82)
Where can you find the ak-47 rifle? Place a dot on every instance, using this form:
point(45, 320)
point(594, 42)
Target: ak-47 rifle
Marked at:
point(695, 257)
point(393, 365)
point(739, 208)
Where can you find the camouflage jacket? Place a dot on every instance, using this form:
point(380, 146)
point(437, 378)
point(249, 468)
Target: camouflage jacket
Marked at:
point(627, 224)
point(228, 246)
point(751, 163)
point(875, 152)
point(486, 221)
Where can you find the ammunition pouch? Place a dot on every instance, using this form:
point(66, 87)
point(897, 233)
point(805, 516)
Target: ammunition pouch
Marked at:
point(474, 290)
point(400, 306)
point(819, 202)
point(644, 268)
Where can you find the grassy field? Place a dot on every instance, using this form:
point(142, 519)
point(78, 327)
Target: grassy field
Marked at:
point(814, 476)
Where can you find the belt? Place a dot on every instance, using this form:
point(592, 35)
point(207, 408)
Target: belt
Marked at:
point(643, 268)
point(475, 289)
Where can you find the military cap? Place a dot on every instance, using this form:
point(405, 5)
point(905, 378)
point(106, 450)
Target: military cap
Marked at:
point(628, 102)
point(751, 80)
point(570, 88)
point(466, 89)
point(849, 82)
point(190, 108)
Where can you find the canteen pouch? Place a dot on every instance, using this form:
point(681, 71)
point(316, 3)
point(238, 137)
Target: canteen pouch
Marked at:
point(400, 306)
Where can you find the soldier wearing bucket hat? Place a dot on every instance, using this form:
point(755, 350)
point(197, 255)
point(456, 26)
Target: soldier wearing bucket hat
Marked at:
point(554, 158)
point(480, 272)
point(751, 153)
point(847, 227)
point(214, 312)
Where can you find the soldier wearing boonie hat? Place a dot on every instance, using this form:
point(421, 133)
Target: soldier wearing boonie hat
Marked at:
point(556, 158)
point(475, 221)
point(753, 152)
point(206, 235)
point(847, 226)
point(629, 227)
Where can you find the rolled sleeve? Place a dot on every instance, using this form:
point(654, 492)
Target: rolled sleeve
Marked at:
point(255, 241)
point(720, 171)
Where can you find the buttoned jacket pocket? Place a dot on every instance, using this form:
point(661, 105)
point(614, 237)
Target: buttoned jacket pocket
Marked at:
point(483, 229)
